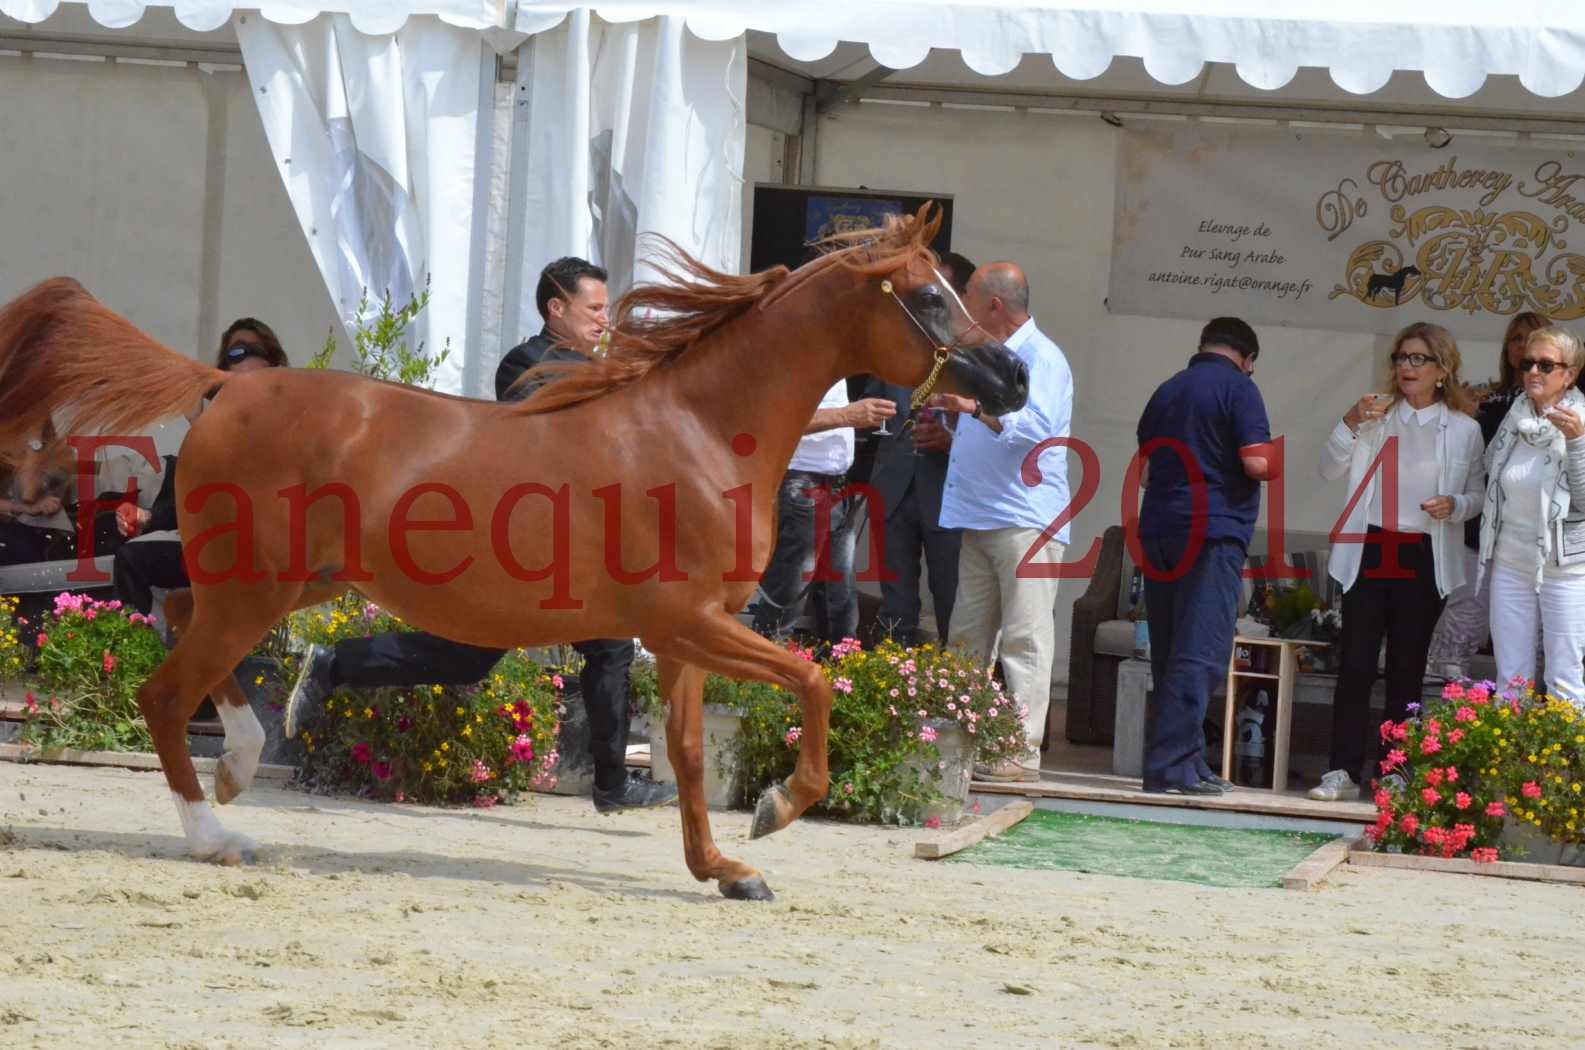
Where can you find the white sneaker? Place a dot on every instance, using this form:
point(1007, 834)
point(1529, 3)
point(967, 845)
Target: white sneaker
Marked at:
point(1334, 786)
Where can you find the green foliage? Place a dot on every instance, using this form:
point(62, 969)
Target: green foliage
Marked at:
point(482, 743)
point(381, 347)
point(93, 657)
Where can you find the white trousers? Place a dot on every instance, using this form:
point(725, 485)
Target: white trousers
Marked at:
point(1557, 614)
point(998, 614)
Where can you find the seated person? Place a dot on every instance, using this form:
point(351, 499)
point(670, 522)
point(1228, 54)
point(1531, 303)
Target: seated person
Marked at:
point(248, 344)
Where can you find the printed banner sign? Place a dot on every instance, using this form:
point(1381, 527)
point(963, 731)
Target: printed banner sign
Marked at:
point(1352, 233)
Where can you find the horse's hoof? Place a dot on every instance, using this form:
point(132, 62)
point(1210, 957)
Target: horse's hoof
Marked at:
point(227, 786)
point(235, 851)
point(753, 889)
point(772, 813)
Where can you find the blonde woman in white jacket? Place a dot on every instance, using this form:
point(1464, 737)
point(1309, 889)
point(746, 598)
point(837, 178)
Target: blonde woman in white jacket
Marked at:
point(1437, 471)
point(1532, 539)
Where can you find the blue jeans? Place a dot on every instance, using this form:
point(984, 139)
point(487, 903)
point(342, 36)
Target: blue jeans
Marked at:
point(1191, 638)
point(784, 587)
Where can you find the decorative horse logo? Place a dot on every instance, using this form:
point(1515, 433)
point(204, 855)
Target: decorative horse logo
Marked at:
point(710, 379)
point(1380, 282)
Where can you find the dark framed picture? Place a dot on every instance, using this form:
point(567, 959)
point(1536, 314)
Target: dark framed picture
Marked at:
point(789, 220)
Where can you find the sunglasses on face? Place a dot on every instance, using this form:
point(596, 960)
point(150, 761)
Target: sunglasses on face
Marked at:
point(1546, 368)
point(1414, 360)
point(234, 354)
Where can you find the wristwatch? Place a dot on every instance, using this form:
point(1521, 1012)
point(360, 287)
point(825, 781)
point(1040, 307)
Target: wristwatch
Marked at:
point(976, 409)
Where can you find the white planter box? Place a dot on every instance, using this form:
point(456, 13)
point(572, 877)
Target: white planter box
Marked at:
point(1539, 849)
point(957, 753)
point(720, 759)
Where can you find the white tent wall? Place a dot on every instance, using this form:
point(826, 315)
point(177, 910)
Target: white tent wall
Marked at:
point(1038, 189)
point(153, 185)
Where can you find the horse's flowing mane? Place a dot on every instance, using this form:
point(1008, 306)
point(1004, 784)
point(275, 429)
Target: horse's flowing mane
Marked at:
point(63, 351)
point(655, 323)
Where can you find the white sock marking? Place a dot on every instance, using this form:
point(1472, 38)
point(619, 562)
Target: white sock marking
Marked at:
point(244, 740)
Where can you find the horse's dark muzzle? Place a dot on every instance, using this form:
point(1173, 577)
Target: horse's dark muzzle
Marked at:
point(994, 375)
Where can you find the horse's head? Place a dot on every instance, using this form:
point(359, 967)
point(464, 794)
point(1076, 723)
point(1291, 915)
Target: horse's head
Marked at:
point(919, 333)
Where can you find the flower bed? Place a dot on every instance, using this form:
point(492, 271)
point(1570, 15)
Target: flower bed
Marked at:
point(482, 744)
point(91, 658)
point(1463, 768)
point(891, 708)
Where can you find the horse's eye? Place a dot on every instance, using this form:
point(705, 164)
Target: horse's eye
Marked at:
point(931, 299)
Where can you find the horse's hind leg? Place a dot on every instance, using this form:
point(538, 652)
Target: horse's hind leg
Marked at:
point(235, 769)
point(226, 624)
point(683, 687)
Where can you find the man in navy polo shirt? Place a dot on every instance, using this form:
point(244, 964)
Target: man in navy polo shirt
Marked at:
point(1210, 415)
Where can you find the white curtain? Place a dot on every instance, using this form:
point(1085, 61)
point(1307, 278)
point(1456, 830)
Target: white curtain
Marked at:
point(376, 140)
point(630, 129)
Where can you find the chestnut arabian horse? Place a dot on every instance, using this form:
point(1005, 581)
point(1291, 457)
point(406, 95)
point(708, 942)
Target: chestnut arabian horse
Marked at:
point(632, 497)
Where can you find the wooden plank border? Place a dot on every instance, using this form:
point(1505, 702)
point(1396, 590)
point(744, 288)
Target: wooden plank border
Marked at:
point(966, 836)
point(139, 760)
point(1313, 870)
point(1502, 869)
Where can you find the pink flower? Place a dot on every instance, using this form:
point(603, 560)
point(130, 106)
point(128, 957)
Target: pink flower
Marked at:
point(1434, 777)
point(842, 685)
point(382, 771)
point(1495, 809)
point(1479, 696)
point(362, 753)
point(1386, 730)
point(1531, 789)
point(1409, 823)
point(1430, 796)
point(1394, 758)
point(847, 788)
point(1452, 774)
point(1453, 691)
point(1465, 714)
point(480, 772)
point(1400, 732)
point(483, 801)
point(975, 809)
point(1484, 855)
point(556, 681)
point(522, 749)
point(1433, 727)
point(1455, 736)
point(793, 734)
point(1430, 746)
point(110, 662)
point(927, 734)
point(1462, 800)
point(32, 704)
point(932, 822)
point(42, 640)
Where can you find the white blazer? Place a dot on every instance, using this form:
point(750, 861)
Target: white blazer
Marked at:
point(1461, 473)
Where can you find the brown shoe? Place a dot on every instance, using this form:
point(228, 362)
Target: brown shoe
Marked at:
point(1006, 771)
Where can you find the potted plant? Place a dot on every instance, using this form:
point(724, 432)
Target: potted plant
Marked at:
point(723, 715)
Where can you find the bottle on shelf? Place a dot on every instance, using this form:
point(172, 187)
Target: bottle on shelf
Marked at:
point(1136, 613)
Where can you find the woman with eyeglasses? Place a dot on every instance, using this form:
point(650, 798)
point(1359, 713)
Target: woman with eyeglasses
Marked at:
point(1532, 540)
point(1408, 509)
point(247, 344)
point(1465, 625)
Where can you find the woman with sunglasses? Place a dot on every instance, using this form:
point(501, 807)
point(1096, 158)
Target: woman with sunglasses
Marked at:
point(1409, 508)
point(1532, 540)
point(248, 344)
point(1465, 625)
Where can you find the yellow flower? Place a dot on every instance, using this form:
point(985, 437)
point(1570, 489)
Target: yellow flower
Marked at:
point(427, 767)
point(259, 680)
point(467, 730)
point(460, 711)
point(368, 712)
point(437, 690)
point(445, 745)
point(442, 763)
point(479, 719)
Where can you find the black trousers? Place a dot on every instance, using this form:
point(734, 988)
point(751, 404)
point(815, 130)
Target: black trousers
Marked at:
point(409, 658)
point(909, 534)
point(140, 567)
point(1404, 611)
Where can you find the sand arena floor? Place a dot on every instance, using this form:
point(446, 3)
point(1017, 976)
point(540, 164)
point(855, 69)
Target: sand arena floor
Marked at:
point(544, 925)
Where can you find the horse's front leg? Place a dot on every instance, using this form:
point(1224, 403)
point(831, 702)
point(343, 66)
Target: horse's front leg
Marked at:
point(723, 645)
point(683, 687)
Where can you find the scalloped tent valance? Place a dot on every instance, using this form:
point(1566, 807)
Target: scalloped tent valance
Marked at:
point(1455, 44)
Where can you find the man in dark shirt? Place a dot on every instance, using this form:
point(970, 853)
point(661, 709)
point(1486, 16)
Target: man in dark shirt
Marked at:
point(1209, 415)
point(572, 299)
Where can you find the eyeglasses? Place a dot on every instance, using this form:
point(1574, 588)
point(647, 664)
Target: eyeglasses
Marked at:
point(1546, 368)
point(241, 350)
point(1415, 360)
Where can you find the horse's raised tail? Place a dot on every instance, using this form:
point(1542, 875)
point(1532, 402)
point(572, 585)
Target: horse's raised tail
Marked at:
point(67, 358)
